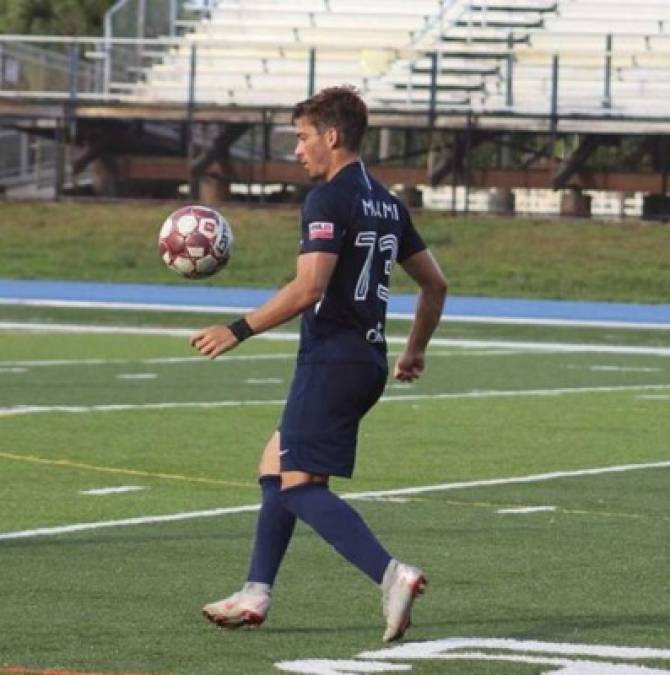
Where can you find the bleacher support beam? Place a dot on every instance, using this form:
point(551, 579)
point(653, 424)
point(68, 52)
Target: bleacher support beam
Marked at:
point(587, 146)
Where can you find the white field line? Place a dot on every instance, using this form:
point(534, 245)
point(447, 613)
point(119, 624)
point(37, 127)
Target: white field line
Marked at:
point(536, 478)
point(558, 347)
point(402, 316)
point(149, 361)
point(22, 366)
point(527, 509)
point(136, 376)
point(112, 490)
point(170, 405)
point(142, 520)
point(136, 306)
point(464, 485)
point(615, 369)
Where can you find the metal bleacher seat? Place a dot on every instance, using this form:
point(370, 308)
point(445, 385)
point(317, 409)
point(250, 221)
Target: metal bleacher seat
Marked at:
point(263, 46)
point(257, 52)
point(584, 34)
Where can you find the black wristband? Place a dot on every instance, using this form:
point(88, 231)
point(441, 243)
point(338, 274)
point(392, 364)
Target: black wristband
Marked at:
point(240, 329)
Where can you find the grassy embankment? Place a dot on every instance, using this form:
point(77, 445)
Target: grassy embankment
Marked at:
point(534, 258)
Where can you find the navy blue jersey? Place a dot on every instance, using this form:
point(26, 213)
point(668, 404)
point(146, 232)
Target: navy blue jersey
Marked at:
point(357, 218)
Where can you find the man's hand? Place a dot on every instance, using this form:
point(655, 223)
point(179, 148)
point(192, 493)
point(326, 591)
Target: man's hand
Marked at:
point(213, 341)
point(409, 366)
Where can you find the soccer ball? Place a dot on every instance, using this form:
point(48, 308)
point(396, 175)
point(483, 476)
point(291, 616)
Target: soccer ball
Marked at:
point(195, 241)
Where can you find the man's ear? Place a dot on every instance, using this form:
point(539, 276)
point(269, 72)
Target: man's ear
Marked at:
point(333, 138)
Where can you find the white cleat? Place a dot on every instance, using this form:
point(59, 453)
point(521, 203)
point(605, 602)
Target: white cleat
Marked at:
point(400, 586)
point(247, 607)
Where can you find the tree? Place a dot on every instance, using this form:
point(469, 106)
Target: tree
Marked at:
point(53, 17)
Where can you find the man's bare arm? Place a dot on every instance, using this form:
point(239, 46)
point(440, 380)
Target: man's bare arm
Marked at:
point(313, 274)
point(423, 268)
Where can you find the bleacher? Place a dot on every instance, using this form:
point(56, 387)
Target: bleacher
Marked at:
point(493, 55)
point(257, 51)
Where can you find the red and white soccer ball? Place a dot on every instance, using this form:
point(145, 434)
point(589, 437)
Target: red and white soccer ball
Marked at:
point(195, 241)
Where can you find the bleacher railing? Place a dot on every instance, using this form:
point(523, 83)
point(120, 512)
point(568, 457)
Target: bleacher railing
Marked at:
point(88, 68)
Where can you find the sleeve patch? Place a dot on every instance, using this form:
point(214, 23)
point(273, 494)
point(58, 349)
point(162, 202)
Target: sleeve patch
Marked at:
point(319, 230)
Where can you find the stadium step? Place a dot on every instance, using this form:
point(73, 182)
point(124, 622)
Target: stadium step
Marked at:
point(511, 24)
point(551, 7)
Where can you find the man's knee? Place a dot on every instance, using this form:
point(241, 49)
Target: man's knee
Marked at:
point(291, 479)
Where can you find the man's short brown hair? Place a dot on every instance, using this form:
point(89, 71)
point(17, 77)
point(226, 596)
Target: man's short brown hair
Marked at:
point(338, 107)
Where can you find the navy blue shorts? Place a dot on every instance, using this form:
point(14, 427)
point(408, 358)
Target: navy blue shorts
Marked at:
point(319, 427)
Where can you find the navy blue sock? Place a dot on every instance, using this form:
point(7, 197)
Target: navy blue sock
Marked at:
point(273, 532)
point(339, 525)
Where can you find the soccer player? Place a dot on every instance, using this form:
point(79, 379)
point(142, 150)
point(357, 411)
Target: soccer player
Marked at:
point(353, 230)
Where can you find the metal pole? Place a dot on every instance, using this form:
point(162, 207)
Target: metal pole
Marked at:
point(190, 109)
point(509, 95)
point(73, 75)
point(312, 72)
point(107, 69)
point(607, 97)
point(193, 64)
point(141, 30)
point(454, 150)
point(141, 18)
point(554, 93)
point(554, 110)
point(432, 114)
point(173, 18)
point(59, 179)
point(252, 161)
point(466, 163)
point(432, 110)
point(267, 152)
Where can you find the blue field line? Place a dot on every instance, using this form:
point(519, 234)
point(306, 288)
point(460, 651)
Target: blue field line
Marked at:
point(190, 294)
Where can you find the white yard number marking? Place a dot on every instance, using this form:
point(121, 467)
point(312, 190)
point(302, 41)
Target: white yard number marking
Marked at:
point(387, 244)
point(560, 658)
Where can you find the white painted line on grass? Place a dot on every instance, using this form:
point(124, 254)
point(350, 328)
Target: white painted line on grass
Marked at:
point(142, 520)
point(493, 393)
point(616, 369)
point(625, 369)
point(113, 490)
point(527, 509)
point(463, 485)
point(133, 306)
point(536, 478)
point(532, 321)
point(557, 347)
point(395, 500)
point(149, 361)
point(137, 376)
point(117, 407)
point(170, 405)
point(4, 371)
point(21, 366)
point(402, 316)
point(264, 380)
point(31, 327)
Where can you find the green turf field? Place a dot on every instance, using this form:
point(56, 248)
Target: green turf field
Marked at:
point(81, 412)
